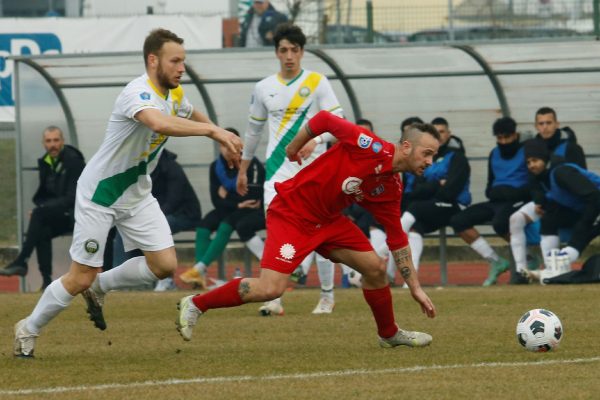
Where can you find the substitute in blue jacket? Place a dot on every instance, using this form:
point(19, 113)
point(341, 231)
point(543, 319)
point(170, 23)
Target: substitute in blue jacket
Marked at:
point(572, 197)
point(560, 142)
point(440, 193)
point(507, 189)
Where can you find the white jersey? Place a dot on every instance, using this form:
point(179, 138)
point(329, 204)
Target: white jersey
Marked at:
point(286, 106)
point(118, 175)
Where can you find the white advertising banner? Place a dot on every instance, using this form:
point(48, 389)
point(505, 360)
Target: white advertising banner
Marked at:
point(33, 36)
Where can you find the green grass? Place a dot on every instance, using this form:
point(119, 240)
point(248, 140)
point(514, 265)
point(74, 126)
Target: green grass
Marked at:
point(8, 193)
point(304, 356)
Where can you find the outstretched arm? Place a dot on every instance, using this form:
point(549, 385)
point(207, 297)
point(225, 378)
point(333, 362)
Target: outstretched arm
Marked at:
point(404, 264)
point(175, 126)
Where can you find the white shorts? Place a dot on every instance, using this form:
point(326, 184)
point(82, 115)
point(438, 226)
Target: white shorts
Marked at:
point(143, 227)
point(529, 210)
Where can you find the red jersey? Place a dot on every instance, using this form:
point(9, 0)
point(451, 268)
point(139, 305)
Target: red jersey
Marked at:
point(357, 169)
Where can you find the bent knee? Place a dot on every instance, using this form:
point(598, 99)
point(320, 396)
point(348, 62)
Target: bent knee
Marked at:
point(376, 271)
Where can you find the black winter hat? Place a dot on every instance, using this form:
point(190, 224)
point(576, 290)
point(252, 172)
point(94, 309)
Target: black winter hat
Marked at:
point(536, 148)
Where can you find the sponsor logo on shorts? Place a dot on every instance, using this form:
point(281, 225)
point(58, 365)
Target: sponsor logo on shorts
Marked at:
point(377, 146)
point(364, 141)
point(287, 252)
point(91, 246)
point(145, 96)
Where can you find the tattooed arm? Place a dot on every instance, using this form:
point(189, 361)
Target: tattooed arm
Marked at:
point(404, 264)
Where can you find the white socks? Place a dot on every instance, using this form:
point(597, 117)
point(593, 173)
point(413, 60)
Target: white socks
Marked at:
point(54, 299)
point(407, 221)
point(307, 263)
point(518, 240)
point(132, 273)
point(377, 239)
point(200, 267)
point(346, 269)
point(325, 269)
point(256, 245)
point(549, 242)
point(415, 240)
point(483, 248)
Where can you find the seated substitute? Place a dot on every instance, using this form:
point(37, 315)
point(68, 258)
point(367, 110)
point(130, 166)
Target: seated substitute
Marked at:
point(442, 192)
point(306, 215)
point(177, 200)
point(572, 200)
point(561, 142)
point(507, 189)
point(232, 212)
point(59, 168)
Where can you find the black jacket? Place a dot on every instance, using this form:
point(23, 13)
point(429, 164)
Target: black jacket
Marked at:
point(256, 180)
point(574, 153)
point(58, 180)
point(458, 175)
point(570, 179)
point(172, 189)
point(268, 22)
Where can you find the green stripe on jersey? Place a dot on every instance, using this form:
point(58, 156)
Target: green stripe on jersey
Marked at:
point(278, 155)
point(110, 189)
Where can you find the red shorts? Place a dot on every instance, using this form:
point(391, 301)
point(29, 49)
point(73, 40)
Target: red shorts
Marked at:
point(290, 238)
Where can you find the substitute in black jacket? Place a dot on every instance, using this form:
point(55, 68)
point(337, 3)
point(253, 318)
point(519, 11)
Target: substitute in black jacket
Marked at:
point(507, 190)
point(440, 193)
point(59, 170)
point(259, 24)
point(232, 212)
point(571, 198)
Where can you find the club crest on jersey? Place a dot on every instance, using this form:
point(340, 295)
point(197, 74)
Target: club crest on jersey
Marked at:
point(351, 186)
point(91, 246)
point(378, 190)
point(377, 146)
point(364, 141)
point(287, 252)
point(304, 91)
point(145, 96)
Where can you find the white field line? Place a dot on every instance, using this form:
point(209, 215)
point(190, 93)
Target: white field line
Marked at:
point(300, 376)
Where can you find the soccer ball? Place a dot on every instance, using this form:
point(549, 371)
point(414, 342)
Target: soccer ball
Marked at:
point(539, 330)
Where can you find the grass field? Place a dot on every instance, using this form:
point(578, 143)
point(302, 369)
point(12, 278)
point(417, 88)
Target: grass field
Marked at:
point(236, 354)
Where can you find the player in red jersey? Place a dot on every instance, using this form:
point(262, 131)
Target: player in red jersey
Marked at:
point(306, 215)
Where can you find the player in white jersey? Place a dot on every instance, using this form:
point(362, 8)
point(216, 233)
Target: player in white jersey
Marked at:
point(286, 101)
point(115, 189)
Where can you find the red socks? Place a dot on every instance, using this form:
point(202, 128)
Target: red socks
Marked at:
point(380, 301)
point(221, 297)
